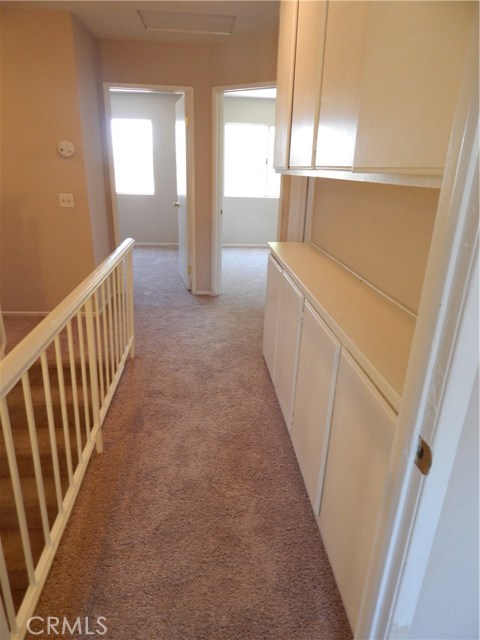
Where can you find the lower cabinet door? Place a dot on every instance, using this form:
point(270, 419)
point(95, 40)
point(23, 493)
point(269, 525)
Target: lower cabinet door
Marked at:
point(317, 365)
point(270, 327)
point(361, 436)
point(288, 340)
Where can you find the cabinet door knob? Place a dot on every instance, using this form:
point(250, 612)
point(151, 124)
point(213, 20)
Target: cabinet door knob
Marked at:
point(176, 204)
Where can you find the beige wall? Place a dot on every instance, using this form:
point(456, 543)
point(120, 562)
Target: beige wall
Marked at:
point(46, 91)
point(50, 92)
point(382, 232)
point(200, 67)
point(92, 115)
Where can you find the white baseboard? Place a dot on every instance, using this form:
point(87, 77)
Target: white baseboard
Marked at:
point(245, 246)
point(156, 244)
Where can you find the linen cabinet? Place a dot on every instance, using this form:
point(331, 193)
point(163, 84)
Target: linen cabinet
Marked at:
point(413, 63)
point(340, 356)
point(373, 85)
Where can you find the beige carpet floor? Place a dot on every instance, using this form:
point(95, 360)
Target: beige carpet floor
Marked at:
point(194, 523)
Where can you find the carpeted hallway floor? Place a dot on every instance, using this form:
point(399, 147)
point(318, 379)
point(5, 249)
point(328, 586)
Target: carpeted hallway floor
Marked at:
point(194, 523)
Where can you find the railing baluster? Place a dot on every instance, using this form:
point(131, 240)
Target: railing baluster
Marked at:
point(83, 369)
point(115, 318)
point(7, 598)
point(92, 361)
point(110, 327)
point(124, 304)
point(98, 333)
point(105, 337)
point(73, 375)
point(130, 302)
point(51, 431)
point(32, 430)
point(121, 315)
point(63, 407)
point(17, 489)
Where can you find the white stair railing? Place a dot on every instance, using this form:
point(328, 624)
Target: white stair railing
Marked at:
point(87, 339)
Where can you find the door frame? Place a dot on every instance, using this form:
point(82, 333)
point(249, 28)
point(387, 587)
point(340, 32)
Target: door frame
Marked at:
point(217, 173)
point(189, 113)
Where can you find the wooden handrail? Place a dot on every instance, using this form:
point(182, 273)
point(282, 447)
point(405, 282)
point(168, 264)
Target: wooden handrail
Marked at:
point(30, 348)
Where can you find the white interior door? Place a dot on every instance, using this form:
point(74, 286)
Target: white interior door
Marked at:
point(181, 202)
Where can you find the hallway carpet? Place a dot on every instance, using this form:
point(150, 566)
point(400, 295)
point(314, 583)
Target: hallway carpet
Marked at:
point(194, 523)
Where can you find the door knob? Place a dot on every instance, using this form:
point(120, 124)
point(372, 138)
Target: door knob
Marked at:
point(176, 204)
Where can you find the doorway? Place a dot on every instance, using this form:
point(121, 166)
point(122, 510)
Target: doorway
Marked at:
point(151, 168)
point(246, 189)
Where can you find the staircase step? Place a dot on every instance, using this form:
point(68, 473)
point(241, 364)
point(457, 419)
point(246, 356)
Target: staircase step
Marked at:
point(21, 439)
point(36, 377)
point(8, 512)
point(15, 560)
point(17, 412)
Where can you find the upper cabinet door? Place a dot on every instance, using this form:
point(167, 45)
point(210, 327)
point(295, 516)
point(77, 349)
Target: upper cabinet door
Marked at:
point(342, 75)
point(311, 29)
point(287, 37)
point(413, 66)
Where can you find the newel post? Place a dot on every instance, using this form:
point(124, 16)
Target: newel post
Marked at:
point(131, 327)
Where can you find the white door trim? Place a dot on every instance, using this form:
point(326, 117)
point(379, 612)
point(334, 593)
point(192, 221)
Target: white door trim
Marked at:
point(412, 506)
point(217, 174)
point(189, 112)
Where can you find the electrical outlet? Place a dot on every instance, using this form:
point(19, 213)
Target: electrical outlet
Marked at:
point(66, 200)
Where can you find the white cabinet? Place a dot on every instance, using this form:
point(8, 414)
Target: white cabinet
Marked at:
point(287, 36)
point(369, 86)
point(361, 436)
point(282, 328)
point(317, 364)
point(340, 348)
point(413, 65)
point(274, 279)
point(341, 80)
point(311, 25)
point(288, 340)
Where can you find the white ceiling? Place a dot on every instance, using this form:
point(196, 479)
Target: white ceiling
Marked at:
point(125, 19)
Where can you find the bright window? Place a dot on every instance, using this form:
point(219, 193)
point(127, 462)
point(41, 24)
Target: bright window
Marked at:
point(133, 156)
point(248, 162)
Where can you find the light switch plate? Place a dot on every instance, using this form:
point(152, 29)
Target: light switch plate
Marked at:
point(66, 200)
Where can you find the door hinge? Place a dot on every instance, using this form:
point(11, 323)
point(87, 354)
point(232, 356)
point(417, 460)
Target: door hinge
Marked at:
point(423, 456)
point(186, 121)
point(189, 269)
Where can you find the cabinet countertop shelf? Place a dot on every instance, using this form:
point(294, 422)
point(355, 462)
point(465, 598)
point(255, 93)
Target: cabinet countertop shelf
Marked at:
point(376, 331)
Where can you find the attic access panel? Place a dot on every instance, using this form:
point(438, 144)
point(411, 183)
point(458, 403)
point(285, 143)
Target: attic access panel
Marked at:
point(194, 23)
